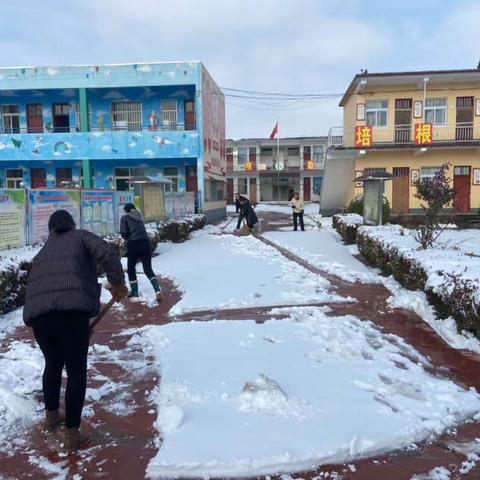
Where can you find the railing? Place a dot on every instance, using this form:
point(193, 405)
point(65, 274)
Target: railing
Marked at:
point(132, 127)
point(404, 135)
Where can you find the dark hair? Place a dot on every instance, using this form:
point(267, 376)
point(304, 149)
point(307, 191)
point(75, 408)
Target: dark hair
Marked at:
point(129, 206)
point(60, 222)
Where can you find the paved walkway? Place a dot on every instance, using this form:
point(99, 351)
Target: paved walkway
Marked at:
point(123, 444)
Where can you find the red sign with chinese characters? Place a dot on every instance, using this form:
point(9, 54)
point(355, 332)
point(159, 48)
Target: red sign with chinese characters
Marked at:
point(363, 136)
point(423, 133)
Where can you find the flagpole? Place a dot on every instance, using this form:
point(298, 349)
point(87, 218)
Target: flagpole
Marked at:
point(278, 160)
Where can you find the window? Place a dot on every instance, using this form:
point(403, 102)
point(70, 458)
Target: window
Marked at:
point(172, 174)
point(92, 178)
point(293, 151)
point(268, 152)
point(11, 118)
point(214, 190)
point(436, 111)
point(123, 175)
point(463, 171)
point(429, 172)
point(318, 154)
point(242, 155)
point(77, 115)
point(243, 186)
point(169, 114)
point(14, 177)
point(377, 112)
point(127, 116)
point(63, 177)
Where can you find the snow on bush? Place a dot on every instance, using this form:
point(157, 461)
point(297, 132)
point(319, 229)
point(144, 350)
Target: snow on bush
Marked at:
point(448, 272)
point(347, 225)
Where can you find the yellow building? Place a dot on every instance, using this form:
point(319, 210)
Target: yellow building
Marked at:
point(407, 124)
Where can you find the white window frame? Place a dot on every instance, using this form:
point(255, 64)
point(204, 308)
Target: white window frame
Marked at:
point(376, 110)
point(241, 192)
point(320, 161)
point(13, 182)
point(169, 109)
point(11, 116)
point(239, 163)
point(430, 174)
point(434, 109)
point(126, 116)
point(171, 187)
point(77, 115)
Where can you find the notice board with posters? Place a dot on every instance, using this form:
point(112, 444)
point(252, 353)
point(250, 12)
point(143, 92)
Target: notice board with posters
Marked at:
point(151, 202)
point(121, 199)
point(98, 214)
point(12, 218)
point(42, 203)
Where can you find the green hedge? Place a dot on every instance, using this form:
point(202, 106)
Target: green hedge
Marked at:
point(347, 225)
point(457, 296)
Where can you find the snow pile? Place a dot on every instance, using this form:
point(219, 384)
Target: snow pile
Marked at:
point(251, 273)
point(438, 473)
point(324, 250)
point(232, 402)
point(351, 219)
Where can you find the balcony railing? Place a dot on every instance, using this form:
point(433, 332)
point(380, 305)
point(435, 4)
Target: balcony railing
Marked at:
point(131, 127)
point(404, 135)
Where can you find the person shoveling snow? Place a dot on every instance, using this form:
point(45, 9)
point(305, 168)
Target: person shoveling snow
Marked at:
point(248, 214)
point(62, 295)
point(132, 230)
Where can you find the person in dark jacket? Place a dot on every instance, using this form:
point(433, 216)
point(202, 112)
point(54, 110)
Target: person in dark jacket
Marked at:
point(248, 214)
point(62, 295)
point(238, 205)
point(132, 230)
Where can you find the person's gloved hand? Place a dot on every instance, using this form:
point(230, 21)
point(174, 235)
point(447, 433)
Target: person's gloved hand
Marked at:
point(118, 291)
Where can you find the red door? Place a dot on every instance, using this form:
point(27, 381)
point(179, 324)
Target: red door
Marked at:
point(189, 115)
point(192, 181)
point(461, 186)
point(38, 177)
point(61, 118)
point(229, 190)
point(307, 189)
point(34, 118)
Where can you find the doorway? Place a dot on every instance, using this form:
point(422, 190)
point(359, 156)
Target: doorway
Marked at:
point(38, 177)
point(63, 177)
point(189, 115)
point(192, 180)
point(400, 190)
point(307, 189)
point(403, 120)
point(253, 190)
point(464, 119)
point(61, 118)
point(229, 190)
point(461, 187)
point(34, 118)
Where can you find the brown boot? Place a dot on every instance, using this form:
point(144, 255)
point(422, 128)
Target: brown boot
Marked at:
point(75, 439)
point(53, 419)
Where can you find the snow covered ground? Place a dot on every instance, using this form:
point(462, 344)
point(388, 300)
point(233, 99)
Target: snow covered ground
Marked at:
point(323, 249)
point(232, 401)
point(227, 272)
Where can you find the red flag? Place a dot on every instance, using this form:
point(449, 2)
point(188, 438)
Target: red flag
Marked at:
point(274, 131)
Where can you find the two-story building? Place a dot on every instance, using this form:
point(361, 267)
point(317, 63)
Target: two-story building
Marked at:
point(408, 124)
point(258, 171)
point(98, 126)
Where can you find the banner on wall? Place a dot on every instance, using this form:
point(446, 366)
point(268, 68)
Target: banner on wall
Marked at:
point(42, 203)
point(152, 205)
point(12, 218)
point(98, 211)
point(121, 199)
point(179, 204)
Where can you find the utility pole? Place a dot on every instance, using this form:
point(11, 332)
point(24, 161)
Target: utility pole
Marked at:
point(278, 162)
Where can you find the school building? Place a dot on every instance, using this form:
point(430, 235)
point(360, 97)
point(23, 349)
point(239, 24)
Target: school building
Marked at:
point(97, 126)
point(408, 124)
point(256, 170)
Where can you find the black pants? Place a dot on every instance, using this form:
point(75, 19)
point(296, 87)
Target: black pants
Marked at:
point(63, 338)
point(298, 216)
point(139, 250)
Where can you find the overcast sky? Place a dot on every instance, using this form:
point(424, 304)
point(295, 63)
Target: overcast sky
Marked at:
point(291, 46)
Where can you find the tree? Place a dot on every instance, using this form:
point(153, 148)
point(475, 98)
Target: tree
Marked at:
point(436, 193)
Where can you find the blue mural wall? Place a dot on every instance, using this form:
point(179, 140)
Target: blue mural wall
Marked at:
point(103, 170)
point(45, 97)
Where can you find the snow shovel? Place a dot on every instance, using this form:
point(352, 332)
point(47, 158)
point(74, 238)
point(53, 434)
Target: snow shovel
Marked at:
point(102, 313)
